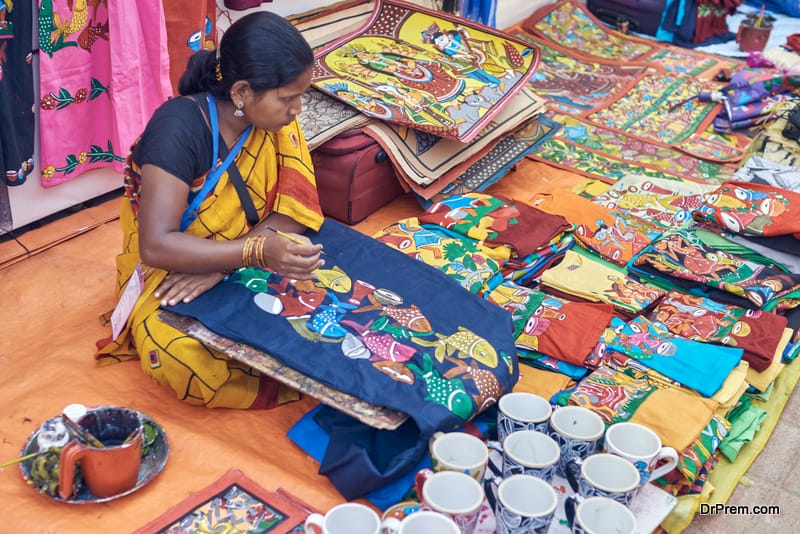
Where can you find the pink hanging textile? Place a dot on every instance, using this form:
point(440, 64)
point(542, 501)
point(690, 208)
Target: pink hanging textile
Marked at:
point(104, 68)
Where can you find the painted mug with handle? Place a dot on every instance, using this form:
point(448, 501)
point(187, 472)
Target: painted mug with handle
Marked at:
point(521, 504)
point(642, 447)
point(456, 495)
point(459, 451)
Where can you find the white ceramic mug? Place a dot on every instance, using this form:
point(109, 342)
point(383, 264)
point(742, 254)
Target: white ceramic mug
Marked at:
point(456, 495)
point(459, 451)
point(529, 452)
point(578, 431)
point(421, 522)
point(522, 503)
point(603, 475)
point(347, 518)
point(521, 411)
point(642, 447)
point(598, 515)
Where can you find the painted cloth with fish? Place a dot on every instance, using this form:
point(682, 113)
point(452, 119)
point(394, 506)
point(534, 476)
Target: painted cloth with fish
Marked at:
point(279, 180)
point(378, 325)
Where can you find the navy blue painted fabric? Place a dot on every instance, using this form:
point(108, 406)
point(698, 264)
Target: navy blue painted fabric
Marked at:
point(379, 325)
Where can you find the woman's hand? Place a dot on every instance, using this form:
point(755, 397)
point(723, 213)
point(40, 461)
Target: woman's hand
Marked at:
point(184, 287)
point(292, 259)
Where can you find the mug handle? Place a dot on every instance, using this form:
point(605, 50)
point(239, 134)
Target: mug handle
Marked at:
point(489, 491)
point(315, 520)
point(419, 481)
point(669, 454)
point(572, 468)
point(571, 508)
point(72, 452)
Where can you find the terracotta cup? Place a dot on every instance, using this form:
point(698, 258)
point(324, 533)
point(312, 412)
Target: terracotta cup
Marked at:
point(751, 38)
point(112, 469)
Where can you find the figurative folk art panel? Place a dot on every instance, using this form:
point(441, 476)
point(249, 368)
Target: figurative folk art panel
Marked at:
point(424, 69)
point(234, 503)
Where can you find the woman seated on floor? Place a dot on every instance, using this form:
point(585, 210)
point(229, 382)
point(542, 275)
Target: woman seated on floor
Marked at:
point(186, 232)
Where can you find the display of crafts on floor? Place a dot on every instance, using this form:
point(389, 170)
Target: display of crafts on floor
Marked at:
point(425, 69)
point(619, 73)
point(234, 503)
point(570, 24)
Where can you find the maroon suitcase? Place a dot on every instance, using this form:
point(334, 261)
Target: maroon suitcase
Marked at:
point(354, 176)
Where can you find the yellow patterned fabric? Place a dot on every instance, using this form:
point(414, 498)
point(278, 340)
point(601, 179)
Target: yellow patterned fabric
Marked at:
point(279, 174)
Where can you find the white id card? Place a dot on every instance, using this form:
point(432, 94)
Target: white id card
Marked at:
point(127, 301)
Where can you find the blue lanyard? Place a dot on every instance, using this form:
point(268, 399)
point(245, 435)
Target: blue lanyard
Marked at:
point(213, 176)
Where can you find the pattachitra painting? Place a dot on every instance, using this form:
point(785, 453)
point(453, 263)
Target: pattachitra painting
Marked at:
point(427, 70)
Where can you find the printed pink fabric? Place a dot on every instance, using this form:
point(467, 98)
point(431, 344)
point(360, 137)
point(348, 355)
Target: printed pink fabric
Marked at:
point(104, 69)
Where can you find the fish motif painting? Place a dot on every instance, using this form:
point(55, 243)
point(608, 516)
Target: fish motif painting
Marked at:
point(376, 324)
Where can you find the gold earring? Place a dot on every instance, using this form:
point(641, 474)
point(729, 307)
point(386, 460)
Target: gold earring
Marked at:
point(239, 112)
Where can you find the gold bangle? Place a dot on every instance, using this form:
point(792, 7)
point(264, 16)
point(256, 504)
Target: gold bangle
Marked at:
point(247, 252)
point(260, 251)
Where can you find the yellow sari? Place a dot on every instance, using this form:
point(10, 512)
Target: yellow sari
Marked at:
point(277, 168)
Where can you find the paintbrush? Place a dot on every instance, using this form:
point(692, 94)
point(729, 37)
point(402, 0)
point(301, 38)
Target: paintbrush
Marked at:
point(22, 458)
point(291, 238)
point(82, 434)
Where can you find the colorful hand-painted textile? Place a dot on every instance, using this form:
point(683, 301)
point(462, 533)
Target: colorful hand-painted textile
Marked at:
point(661, 104)
point(427, 162)
point(612, 395)
point(375, 324)
point(696, 365)
point(475, 267)
point(701, 319)
point(419, 68)
point(592, 279)
point(565, 330)
point(571, 24)
point(521, 302)
point(667, 203)
point(526, 271)
point(646, 110)
point(752, 209)
point(85, 52)
point(497, 221)
point(191, 26)
point(681, 258)
point(499, 161)
point(610, 233)
point(781, 252)
point(576, 84)
point(693, 460)
point(626, 393)
point(607, 154)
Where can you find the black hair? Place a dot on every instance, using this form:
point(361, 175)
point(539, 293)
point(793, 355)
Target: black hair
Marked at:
point(262, 48)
